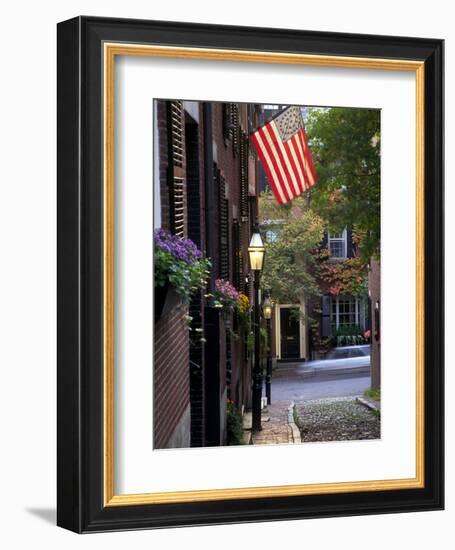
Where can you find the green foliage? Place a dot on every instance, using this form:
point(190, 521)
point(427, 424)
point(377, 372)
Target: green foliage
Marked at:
point(373, 394)
point(185, 277)
point(320, 344)
point(244, 313)
point(289, 260)
point(349, 336)
point(349, 276)
point(345, 144)
point(234, 425)
point(250, 342)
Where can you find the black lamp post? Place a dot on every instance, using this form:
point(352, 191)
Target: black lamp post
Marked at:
point(256, 253)
point(267, 310)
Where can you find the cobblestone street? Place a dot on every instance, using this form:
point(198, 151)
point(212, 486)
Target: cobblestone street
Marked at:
point(334, 419)
point(337, 419)
point(326, 405)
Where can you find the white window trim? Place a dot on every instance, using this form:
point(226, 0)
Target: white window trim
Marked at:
point(343, 239)
point(359, 318)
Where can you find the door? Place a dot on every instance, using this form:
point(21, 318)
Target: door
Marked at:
point(290, 332)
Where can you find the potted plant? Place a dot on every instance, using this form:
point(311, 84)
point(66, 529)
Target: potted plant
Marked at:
point(243, 311)
point(180, 270)
point(225, 296)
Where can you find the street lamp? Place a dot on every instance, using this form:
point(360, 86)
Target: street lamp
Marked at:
point(256, 252)
point(267, 309)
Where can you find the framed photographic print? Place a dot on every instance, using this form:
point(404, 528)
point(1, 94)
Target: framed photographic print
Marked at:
point(250, 274)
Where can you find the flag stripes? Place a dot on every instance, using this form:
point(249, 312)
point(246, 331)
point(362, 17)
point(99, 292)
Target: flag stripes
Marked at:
point(287, 163)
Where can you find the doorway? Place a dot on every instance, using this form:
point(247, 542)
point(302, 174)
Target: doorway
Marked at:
point(290, 332)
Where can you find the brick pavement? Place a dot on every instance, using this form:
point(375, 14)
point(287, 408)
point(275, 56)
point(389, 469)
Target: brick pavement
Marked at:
point(276, 427)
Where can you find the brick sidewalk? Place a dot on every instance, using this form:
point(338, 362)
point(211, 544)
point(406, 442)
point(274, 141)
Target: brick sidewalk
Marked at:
point(275, 425)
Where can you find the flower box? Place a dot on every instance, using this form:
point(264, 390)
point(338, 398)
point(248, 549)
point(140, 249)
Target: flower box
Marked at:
point(166, 299)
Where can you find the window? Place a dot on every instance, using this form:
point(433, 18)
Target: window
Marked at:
point(271, 235)
point(345, 312)
point(337, 244)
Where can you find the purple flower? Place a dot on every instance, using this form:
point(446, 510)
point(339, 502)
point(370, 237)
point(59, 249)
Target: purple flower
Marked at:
point(181, 249)
point(225, 290)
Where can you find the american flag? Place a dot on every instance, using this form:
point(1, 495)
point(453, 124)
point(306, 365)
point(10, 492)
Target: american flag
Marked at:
point(283, 149)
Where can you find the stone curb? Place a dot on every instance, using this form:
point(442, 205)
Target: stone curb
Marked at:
point(247, 437)
point(296, 437)
point(369, 404)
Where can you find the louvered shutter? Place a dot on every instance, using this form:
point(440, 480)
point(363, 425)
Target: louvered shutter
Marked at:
point(177, 132)
point(349, 244)
point(223, 206)
point(325, 240)
point(227, 127)
point(326, 328)
point(176, 180)
point(243, 176)
point(231, 125)
point(235, 128)
point(237, 264)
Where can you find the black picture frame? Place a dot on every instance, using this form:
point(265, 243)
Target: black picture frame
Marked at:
point(80, 282)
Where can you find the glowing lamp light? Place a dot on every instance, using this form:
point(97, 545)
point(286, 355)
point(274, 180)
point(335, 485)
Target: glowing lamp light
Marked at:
point(267, 308)
point(256, 251)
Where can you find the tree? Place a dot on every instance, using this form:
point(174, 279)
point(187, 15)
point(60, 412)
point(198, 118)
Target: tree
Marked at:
point(289, 264)
point(345, 145)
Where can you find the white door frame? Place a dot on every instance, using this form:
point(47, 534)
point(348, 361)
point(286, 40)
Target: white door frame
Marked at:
point(302, 332)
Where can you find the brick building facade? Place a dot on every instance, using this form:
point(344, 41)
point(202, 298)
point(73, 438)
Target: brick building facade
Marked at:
point(205, 190)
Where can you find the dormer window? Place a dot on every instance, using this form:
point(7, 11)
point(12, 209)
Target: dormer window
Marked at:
point(337, 244)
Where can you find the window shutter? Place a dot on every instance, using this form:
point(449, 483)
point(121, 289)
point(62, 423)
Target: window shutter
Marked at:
point(325, 240)
point(178, 207)
point(349, 244)
point(326, 329)
point(223, 206)
point(235, 128)
point(237, 264)
point(231, 126)
point(227, 128)
point(176, 180)
point(177, 132)
point(243, 176)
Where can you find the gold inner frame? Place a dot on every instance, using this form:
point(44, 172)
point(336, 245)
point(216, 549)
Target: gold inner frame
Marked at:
point(110, 51)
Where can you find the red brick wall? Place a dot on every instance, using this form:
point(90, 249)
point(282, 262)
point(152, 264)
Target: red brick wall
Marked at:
point(171, 352)
point(171, 375)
